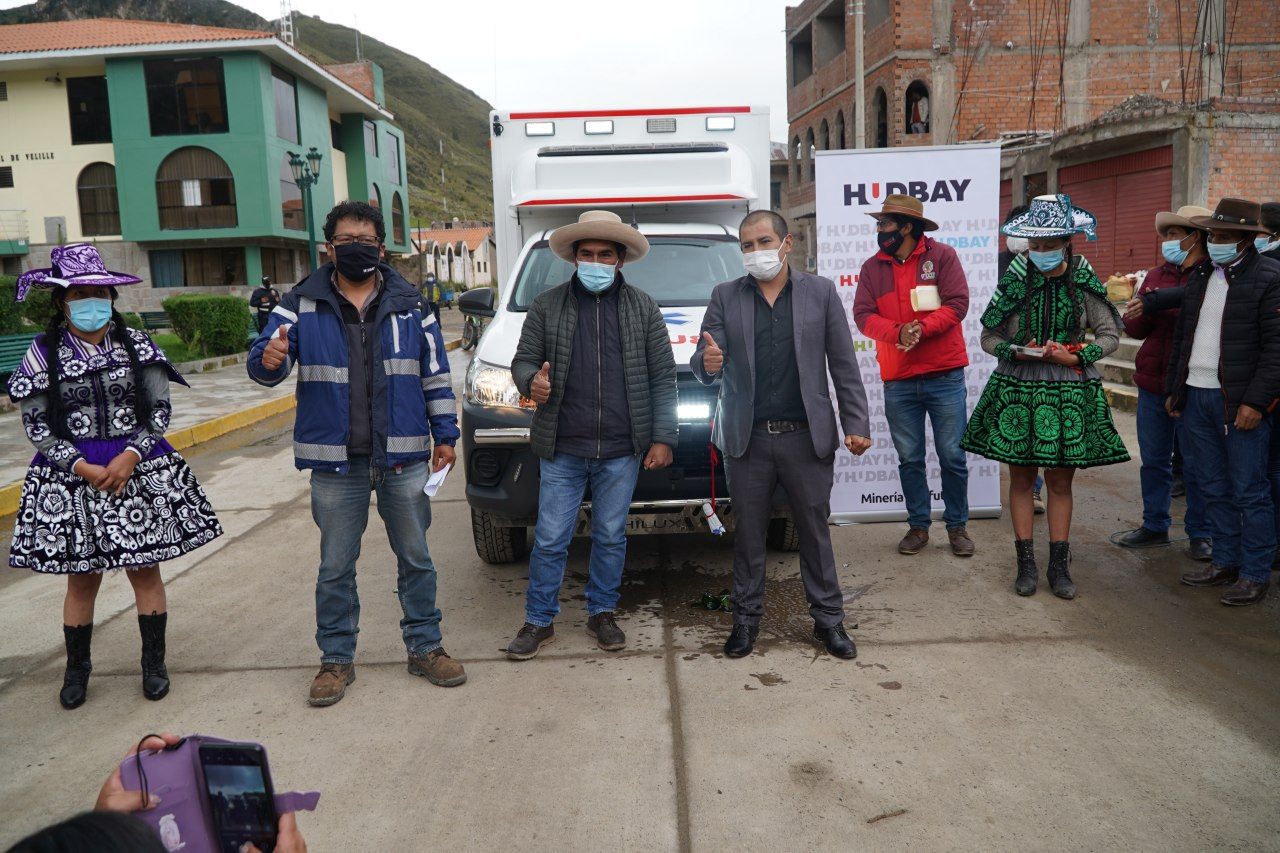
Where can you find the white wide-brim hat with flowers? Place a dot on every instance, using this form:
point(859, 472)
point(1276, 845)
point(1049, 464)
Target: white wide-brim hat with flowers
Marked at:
point(1051, 216)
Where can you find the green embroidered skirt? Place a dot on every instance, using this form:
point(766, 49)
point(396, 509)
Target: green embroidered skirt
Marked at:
point(1044, 416)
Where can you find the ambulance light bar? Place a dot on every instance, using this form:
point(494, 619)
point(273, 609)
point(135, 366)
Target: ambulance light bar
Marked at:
point(721, 122)
point(635, 148)
point(597, 127)
point(540, 128)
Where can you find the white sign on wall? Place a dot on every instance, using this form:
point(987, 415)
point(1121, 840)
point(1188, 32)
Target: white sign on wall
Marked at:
point(960, 188)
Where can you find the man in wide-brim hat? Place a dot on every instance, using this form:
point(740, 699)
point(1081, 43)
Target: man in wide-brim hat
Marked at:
point(1151, 317)
point(1223, 381)
point(595, 356)
point(912, 300)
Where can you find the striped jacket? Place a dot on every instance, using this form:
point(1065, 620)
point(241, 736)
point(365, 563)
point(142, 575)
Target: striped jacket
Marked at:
point(412, 394)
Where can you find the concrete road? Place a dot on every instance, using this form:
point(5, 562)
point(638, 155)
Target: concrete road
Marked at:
point(1141, 716)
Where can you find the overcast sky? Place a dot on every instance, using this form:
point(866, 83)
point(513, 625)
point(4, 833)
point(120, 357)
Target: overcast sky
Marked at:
point(583, 53)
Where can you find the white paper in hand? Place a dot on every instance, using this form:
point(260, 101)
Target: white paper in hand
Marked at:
point(436, 480)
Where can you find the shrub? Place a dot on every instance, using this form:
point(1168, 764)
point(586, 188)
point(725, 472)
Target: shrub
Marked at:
point(10, 311)
point(213, 325)
point(37, 308)
point(132, 320)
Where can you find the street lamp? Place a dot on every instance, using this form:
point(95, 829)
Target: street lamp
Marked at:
point(306, 174)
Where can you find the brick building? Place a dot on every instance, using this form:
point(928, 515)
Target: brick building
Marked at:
point(1129, 106)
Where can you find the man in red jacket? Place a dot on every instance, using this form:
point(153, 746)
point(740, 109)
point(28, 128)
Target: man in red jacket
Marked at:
point(1183, 247)
point(912, 297)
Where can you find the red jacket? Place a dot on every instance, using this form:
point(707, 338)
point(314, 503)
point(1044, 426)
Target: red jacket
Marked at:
point(883, 306)
point(1155, 330)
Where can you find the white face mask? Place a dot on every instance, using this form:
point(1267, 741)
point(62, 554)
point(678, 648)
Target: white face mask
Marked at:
point(1017, 245)
point(763, 265)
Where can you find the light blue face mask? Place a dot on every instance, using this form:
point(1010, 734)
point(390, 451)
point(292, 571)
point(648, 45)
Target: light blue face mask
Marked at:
point(1173, 251)
point(1263, 244)
point(596, 278)
point(1223, 253)
point(1046, 261)
point(89, 315)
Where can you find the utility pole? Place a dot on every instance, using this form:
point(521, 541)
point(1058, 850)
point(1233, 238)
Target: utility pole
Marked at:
point(856, 9)
point(286, 22)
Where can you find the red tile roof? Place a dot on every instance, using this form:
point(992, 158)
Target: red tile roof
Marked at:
point(111, 32)
point(473, 237)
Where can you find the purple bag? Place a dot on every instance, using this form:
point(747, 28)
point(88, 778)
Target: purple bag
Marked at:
point(184, 820)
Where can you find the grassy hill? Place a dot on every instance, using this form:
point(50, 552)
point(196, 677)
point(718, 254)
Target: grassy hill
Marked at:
point(430, 107)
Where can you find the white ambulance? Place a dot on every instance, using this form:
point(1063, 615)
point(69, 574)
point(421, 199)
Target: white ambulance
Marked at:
point(685, 177)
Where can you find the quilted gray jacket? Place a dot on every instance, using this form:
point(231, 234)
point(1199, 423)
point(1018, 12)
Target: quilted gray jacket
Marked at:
point(648, 364)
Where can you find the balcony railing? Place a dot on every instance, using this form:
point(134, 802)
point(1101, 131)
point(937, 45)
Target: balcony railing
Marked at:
point(14, 236)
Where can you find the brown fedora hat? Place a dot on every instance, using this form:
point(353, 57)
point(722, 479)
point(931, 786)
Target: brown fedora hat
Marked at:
point(1233, 214)
point(905, 205)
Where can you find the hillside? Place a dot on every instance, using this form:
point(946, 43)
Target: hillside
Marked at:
point(428, 106)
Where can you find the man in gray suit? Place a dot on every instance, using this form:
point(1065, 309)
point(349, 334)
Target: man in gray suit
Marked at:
point(770, 337)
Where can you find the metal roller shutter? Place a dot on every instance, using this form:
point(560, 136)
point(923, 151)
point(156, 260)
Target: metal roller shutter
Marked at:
point(1125, 193)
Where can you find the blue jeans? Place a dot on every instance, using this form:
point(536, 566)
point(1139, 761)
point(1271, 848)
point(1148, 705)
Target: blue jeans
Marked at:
point(1273, 469)
point(564, 480)
point(942, 398)
point(1156, 431)
point(1230, 466)
point(340, 507)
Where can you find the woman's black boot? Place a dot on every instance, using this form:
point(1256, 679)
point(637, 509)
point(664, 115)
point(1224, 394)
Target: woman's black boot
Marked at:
point(1058, 574)
point(75, 682)
point(1025, 584)
point(155, 678)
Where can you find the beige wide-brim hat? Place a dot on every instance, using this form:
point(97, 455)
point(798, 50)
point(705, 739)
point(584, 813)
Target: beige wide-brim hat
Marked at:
point(1182, 218)
point(598, 225)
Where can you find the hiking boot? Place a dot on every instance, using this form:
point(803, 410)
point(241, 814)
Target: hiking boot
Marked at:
point(606, 631)
point(1143, 537)
point(914, 541)
point(961, 544)
point(155, 676)
point(1244, 592)
point(75, 681)
point(330, 683)
point(437, 667)
point(1028, 574)
point(1058, 574)
point(530, 639)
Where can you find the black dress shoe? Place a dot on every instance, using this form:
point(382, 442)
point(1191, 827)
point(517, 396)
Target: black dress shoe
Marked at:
point(1201, 548)
point(1211, 575)
point(837, 641)
point(1143, 538)
point(742, 639)
point(1244, 591)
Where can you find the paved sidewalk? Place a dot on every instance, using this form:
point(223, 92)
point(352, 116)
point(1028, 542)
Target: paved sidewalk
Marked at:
point(211, 395)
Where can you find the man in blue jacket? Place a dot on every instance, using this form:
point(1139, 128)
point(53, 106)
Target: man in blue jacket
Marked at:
point(374, 399)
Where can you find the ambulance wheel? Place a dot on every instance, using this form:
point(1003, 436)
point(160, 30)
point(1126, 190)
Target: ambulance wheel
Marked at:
point(782, 535)
point(497, 545)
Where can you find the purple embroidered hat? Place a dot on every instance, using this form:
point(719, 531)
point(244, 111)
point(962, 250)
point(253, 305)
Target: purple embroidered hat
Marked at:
point(74, 265)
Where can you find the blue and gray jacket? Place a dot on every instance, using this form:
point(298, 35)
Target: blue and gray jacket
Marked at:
point(412, 394)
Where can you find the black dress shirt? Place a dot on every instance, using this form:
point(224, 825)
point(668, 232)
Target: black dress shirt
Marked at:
point(777, 378)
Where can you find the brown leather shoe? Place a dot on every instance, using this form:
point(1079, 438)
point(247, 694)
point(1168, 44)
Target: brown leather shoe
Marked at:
point(1243, 592)
point(330, 683)
point(438, 668)
point(961, 544)
point(1211, 575)
point(914, 541)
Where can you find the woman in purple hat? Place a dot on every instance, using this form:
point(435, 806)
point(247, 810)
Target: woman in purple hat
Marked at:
point(105, 490)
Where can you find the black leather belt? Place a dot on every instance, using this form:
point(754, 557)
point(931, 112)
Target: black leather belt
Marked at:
point(779, 427)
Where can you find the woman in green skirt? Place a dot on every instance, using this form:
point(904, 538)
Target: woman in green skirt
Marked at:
point(1044, 406)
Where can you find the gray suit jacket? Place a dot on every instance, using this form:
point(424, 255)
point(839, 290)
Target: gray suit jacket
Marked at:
point(823, 342)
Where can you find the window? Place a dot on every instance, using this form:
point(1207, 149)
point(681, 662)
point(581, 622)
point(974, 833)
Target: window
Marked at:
point(797, 158)
point(397, 219)
point(375, 197)
point(882, 118)
point(4, 90)
point(335, 135)
point(824, 136)
point(90, 116)
point(393, 158)
point(809, 148)
point(802, 56)
point(6, 177)
point(828, 33)
point(370, 139)
point(195, 189)
point(281, 265)
point(291, 199)
point(286, 92)
point(186, 96)
point(840, 130)
point(99, 204)
point(917, 107)
point(222, 267)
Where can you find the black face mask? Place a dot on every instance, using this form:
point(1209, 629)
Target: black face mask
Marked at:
point(889, 241)
point(356, 262)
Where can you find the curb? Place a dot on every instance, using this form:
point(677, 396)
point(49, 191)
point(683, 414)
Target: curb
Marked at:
point(184, 438)
point(453, 345)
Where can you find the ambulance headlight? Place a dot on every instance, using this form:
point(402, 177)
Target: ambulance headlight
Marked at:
point(493, 386)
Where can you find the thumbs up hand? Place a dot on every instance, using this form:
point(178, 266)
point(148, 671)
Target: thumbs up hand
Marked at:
point(277, 349)
point(540, 388)
point(712, 355)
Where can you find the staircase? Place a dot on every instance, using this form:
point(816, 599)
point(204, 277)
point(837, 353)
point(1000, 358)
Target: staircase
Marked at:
point(1117, 375)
